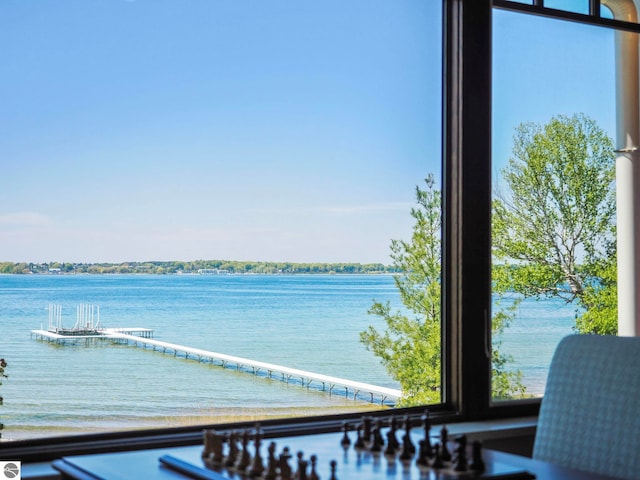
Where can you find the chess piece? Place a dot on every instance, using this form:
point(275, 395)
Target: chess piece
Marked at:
point(333, 465)
point(346, 441)
point(393, 428)
point(461, 462)
point(232, 454)
point(477, 462)
point(392, 443)
point(444, 440)
point(406, 439)
point(367, 423)
point(283, 463)
point(376, 435)
point(360, 444)
point(437, 459)
point(423, 459)
point(213, 448)
point(426, 424)
point(313, 475)
point(272, 463)
point(301, 472)
point(244, 460)
point(257, 466)
point(408, 449)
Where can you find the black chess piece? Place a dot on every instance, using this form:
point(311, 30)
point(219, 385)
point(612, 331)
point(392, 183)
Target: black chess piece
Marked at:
point(257, 466)
point(367, 424)
point(272, 463)
point(333, 466)
point(213, 447)
point(244, 459)
point(313, 475)
point(422, 460)
point(232, 454)
point(408, 449)
point(393, 428)
point(406, 439)
point(360, 444)
point(346, 441)
point(426, 424)
point(444, 440)
point(392, 443)
point(301, 472)
point(461, 463)
point(477, 462)
point(437, 459)
point(376, 436)
point(283, 463)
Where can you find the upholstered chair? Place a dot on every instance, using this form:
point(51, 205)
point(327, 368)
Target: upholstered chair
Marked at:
point(590, 414)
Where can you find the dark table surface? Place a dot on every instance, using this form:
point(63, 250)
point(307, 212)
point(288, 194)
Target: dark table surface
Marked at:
point(352, 464)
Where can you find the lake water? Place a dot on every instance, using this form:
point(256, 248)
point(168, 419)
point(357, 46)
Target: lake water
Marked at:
point(310, 322)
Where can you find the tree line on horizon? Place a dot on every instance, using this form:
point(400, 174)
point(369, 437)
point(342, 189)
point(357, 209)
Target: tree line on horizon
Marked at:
point(193, 267)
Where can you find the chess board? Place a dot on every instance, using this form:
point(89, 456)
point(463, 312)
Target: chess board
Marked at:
point(365, 450)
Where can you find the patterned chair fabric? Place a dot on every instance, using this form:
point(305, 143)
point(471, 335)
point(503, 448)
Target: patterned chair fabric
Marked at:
point(590, 414)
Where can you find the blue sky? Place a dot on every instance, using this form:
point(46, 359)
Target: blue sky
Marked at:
point(253, 130)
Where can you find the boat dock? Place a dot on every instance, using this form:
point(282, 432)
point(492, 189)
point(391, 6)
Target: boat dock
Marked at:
point(143, 337)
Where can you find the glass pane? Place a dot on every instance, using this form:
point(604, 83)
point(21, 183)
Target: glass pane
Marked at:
point(229, 175)
point(554, 193)
point(575, 6)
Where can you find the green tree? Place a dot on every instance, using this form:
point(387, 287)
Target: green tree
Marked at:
point(410, 347)
point(553, 232)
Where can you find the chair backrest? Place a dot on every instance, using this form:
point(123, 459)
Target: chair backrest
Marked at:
point(590, 414)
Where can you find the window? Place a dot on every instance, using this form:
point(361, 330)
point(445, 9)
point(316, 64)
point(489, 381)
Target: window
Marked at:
point(550, 89)
point(467, 265)
point(160, 155)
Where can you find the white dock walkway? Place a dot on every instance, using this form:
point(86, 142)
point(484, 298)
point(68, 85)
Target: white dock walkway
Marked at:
point(141, 337)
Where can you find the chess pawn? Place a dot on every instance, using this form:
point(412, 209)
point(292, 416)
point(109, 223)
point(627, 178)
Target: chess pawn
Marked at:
point(333, 466)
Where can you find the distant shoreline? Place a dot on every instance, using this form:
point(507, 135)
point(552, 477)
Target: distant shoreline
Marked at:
point(196, 267)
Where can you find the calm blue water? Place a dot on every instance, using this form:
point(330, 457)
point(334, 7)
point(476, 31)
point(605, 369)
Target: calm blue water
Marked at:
point(307, 322)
